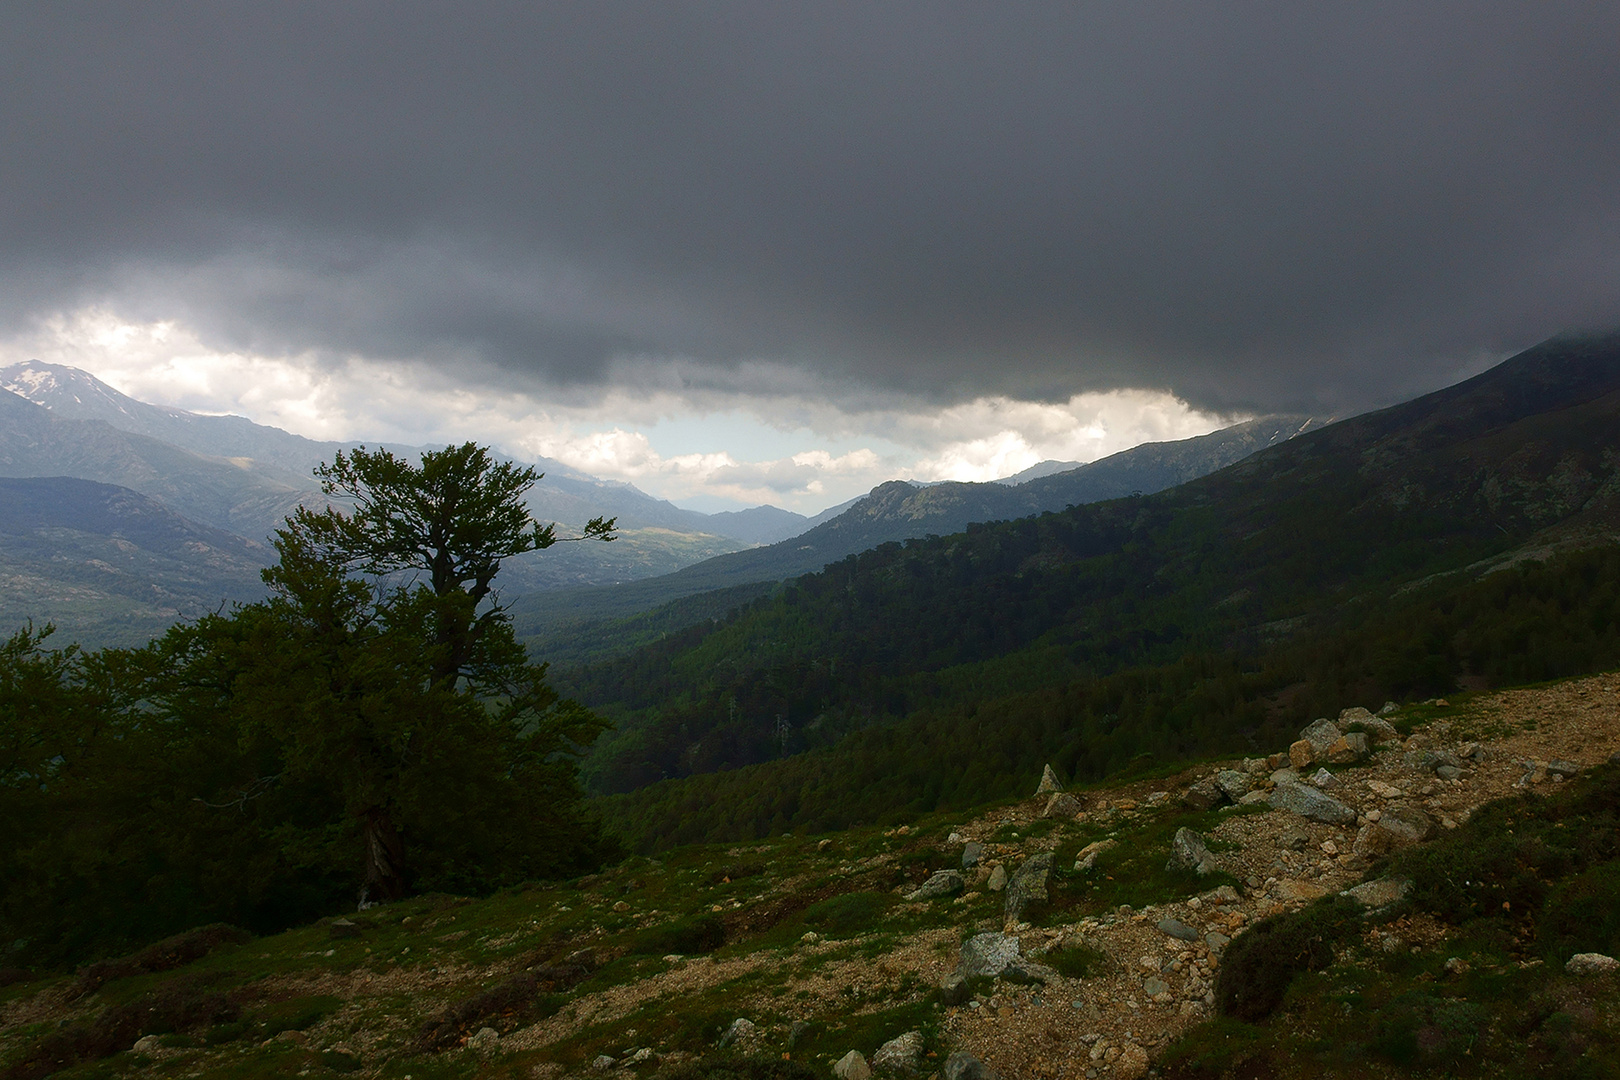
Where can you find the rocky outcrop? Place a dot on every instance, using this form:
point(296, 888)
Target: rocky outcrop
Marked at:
point(1028, 884)
point(1062, 805)
point(901, 1054)
point(964, 1066)
point(1049, 782)
point(988, 954)
point(1311, 803)
point(1202, 795)
point(944, 883)
point(1188, 851)
point(853, 1066)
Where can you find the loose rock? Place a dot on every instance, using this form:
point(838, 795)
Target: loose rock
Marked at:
point(943, 883)
point(1233, 784)
point(1591, 963)
point(1381, 730)
point(1380, 893)
point(741, 1032)
point(1088, 854)
point(971, 854)
point(1321, 734)
point(852, 1066)
point(1049, 782)
point(1301, 754)
point(1348, 749)
point(1132, 1063)
point(1310, 803)
point(486, 1041)
point(900, 1054)
point(987, 954)
point(1062, 805)
point(1028, 884)
point(1177, 929)
point(954, 990)
point(998, 878)
point(1203, 795)
point(964, 1066)
point(1188, 850)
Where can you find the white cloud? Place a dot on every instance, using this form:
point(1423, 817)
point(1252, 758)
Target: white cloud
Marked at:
point(770, 434)
point(994, 437)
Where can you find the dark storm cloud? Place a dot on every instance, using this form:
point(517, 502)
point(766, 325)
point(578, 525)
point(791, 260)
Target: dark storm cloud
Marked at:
point(1254, 205)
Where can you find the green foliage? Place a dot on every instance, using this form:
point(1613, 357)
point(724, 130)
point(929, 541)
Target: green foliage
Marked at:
point(1506, 858)
point(980, 740)
point(179, 1005)
point(686, 937)
point(1581, 914)
point(259, 764)
point(1259, 965)
point(1076, 961)
point(848, 914)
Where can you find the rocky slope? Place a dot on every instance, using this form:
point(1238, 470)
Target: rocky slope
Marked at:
point(1074, 934)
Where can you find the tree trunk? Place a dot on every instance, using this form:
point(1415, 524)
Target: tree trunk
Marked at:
point(385, 859)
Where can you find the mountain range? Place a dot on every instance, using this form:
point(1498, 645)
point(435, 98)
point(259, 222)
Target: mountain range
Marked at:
point(228, 473)
point(1353, 562)
point(896, 511)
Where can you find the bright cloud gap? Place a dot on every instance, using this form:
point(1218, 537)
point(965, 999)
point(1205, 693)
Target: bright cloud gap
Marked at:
point(835, 450)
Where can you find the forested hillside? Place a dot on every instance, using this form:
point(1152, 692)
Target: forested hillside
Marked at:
point(898, 511)
point(1190, 591)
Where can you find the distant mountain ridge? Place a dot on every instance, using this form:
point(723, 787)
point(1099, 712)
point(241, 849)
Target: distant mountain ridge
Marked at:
point(899, 510)
point(243, 496)
point(110, 565)
point(565, 494)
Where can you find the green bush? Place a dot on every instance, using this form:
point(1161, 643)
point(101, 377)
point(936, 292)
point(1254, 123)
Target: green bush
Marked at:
point(1079, 962)
point(1259, 965)
point(851, 913)
point(1581, 914)
point(1417, 1029)
point(698, 934)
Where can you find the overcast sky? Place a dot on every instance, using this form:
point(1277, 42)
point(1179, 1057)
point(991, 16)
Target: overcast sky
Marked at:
point(778, 252)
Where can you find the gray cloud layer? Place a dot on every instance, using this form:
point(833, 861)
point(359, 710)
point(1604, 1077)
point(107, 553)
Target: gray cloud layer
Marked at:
point(1255, 205)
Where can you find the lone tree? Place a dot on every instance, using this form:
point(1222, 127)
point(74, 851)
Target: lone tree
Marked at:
point(454, 518)
point(398, 674)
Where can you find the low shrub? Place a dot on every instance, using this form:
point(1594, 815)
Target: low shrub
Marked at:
point(182, 1004)
point(691, 936)
point(1259, 966)
point(1077, 962)
point(848, 914)
point(166, 955)
point(1581, 914)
